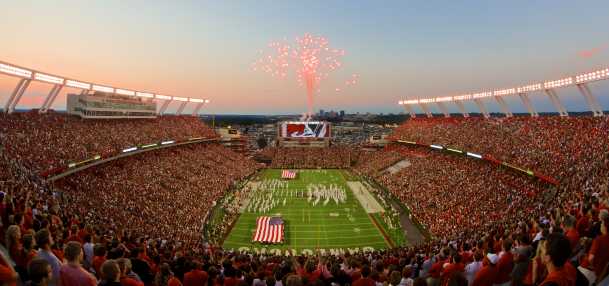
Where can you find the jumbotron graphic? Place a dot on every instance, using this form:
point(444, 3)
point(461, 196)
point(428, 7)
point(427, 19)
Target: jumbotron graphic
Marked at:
point(310, 57)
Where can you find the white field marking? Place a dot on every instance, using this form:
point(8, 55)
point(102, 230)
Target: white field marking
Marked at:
point(365, 198)
point(327, 238)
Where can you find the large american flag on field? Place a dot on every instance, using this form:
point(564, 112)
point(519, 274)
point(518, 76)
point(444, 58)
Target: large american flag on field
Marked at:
point(287, 174)
point(269, 230)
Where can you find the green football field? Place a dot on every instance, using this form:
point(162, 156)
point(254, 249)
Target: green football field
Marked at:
point(335, 226)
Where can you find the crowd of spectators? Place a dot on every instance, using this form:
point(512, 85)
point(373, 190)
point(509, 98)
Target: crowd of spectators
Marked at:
point(570, 149)
point(137, 221)
point(311, 158)
point(43, 142)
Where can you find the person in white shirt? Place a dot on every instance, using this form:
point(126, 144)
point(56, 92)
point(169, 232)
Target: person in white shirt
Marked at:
point(472, 269)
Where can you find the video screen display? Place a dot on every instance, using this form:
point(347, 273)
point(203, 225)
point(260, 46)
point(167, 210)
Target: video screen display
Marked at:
point(305, 129)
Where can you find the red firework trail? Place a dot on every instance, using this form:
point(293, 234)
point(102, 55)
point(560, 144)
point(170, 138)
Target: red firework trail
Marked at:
point(310, 57)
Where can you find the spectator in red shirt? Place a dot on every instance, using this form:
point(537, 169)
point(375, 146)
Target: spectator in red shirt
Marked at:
point(98, 259)
point(557, 252)
point(570, 231)
point(599, 252)
point(72, 273)
point(7, 272)
point(124, 265)
point(365, 280)
point(196, 276)
point(488, 273)
point(505, 264)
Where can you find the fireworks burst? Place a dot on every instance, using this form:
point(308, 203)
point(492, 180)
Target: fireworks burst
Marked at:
point(310, 57)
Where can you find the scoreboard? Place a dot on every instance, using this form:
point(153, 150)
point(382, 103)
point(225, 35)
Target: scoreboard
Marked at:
point(304, 129)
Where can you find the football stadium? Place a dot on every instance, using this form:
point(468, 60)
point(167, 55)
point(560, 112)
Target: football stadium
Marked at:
point(227, 143)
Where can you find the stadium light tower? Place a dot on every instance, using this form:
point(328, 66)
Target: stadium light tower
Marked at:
point(408, 108)
point(458, 100)
point(440, 103)
point(200, 103)
point(581, 82)
point(524, 97)
point(22, 85)
point(423, 106)
point(184, 101)
point(167, 100)
point(549, 89)
point(478, 101)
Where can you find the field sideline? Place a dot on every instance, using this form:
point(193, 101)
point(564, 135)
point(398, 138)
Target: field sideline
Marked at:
point(307, 227)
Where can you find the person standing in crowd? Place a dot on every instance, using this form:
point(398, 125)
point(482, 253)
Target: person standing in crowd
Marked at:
point(72, 273)
point(557, 252)
point(196, 276)
point(110, 273)
point(40, 273)
point(44, 240)
point(124, 265)
point(488, 273)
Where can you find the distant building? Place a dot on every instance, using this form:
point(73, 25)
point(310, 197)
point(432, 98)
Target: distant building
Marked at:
point(342, 113)
point(321, 112)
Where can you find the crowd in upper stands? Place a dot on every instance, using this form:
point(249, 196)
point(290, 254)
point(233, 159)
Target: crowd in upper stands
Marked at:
point(135, 221)
point(310, 158)
point(53, 140)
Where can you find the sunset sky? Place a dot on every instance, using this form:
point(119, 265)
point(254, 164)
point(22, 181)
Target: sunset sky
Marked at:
point(399, 49)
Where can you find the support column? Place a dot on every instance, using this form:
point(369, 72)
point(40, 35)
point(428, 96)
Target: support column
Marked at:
point(50, 98)
point(556, 102)
point(9, 101)
point(410, 111)
point(443, 108)
point(164, 107)
point(596, 108)
point(527, 103)
point(425, 110)
point(504, 107)
point(181, 108)
point(482, 108)
point(18, 96)
point(461, 107)
point(197, 108)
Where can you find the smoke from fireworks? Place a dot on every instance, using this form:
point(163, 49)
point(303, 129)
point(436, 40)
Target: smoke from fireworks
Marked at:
point(310, 57)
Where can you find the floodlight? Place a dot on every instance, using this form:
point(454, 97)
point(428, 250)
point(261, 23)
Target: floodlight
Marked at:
point(207, 101)
point(196, 100)
point(504, 92)
point(443, 99)
point(180, 98)
point(48, 78)
point(558, 83)
point(144, 94)
point(12, 70)
point(482, 94)
point(78, 84)
point(125, 92)
point(463, 97)
point(529, 88)
point(592, 76)
point(103, 88)
point(165, 97)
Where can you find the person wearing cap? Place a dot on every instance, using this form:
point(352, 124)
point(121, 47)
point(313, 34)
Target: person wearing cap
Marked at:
point(556, 254)
point(488, 273)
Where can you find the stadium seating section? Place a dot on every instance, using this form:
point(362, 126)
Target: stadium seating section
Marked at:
point(149, 207)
